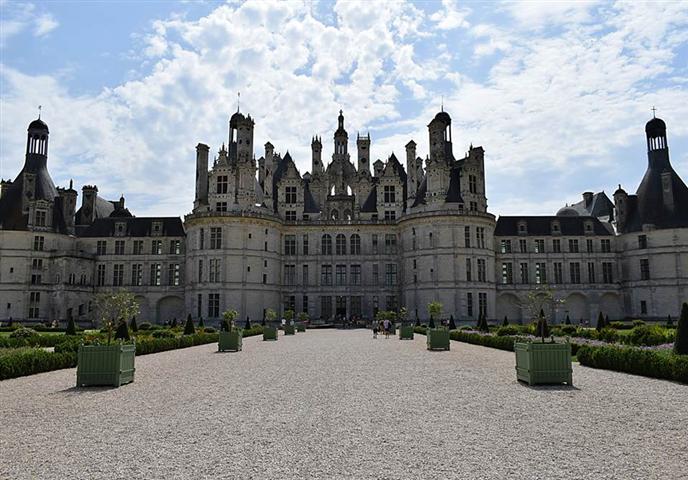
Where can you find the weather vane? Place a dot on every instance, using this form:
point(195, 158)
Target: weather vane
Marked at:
point(238, 100)
point(442, 103)
point(39, 111)
point(653, 111)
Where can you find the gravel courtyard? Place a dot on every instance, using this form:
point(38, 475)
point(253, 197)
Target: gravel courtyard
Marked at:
point(338, 404)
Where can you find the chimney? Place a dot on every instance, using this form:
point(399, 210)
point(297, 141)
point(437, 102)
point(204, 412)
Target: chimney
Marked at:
point(412, 170)
point(88, 204)
point(201, 175)
point(621, 209)
point(587, 197)
point(68, 197)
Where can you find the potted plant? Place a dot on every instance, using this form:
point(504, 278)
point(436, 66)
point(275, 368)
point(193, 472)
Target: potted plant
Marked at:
point(289, 328)
point(541, 362)
point(230, 336)
point(436, 338)
point(112, 363)
point(269, 330)
point(406, 329)
point(303, 320)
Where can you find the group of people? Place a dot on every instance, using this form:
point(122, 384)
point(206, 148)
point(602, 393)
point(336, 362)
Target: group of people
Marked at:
point(382, 326)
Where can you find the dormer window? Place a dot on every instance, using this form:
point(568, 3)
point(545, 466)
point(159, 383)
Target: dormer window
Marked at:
point(556, 228)
point(522, 228)
point(290, 195)
point(157, 228)
point(120, 228)
point(389, 194)
point(588, 228)
point(41, 216)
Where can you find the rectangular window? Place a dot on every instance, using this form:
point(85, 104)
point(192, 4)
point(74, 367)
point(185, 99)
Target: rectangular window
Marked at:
point(607, 272)
point(643, 307)
point(376, 274)
point(305, 244)
point(118, 275)
point(480, 237)
point(156, 247)
point(173, 274)
point(175, 247)
point(472, 184)
point(200, 270)
point(100, 275)
point(390, 243)
point(505, 246)
point(469, 270)
point(101, 247)
point(482, 270)
point(389, 194)
point(355, 244)
point(290, 244)
point(119, 247)
point(355, 306)
point(37, 263)
point(222, 183)
point(591, 272)
point(574, 270)
point(482, 304)
point(539, 246)
point(215, 238)
point(474, 206)
point(355, 274)
point(374, 243)
point(390, 215)
point(524, 273)
point(290, 195)
point(40, 218)
point(34, 304)
point(326, 245)
point(304, 305)
point(290, 215)
point(469, 304)
point(605, 245)
point(36, 279)
point(507, 273)
point(573, 245)
point(213, 305)
point(540, 273)
point(214, 270)
point(644, 269)
point(201, 239)
point(556, 245)
point(221, 207)
point(642, 241)
point(326, 307)
point(290, 274)
point(155, 273)
point(137, 274)
point(138, 247)
point(391, 303)
point(467, 237)
point(588, 245)
point(340, 274)
point(558, 272)
point(390, 274)
point(304, 274)
point(326, 275)
point(522, 245)
point(199, 305)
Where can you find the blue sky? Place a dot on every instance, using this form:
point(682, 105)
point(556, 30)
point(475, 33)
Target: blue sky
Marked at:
point(557, 93)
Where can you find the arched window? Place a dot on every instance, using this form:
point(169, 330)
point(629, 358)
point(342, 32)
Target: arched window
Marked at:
point(355, 244)
point(326, 245)
point(334, 215)
point(340, 244)
point(347, 214)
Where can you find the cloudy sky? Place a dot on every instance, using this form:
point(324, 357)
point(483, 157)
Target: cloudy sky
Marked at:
point(557, 93)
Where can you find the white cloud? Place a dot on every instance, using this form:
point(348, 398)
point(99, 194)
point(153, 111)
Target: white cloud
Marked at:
point(18, 17)
point(450, 16)
point(44, 24)
point(535, 14)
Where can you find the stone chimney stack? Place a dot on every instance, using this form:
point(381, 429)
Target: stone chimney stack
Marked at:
point(88, 204)
point(201, 175)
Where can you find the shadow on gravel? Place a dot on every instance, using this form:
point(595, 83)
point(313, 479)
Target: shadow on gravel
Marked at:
point(545, 388)
point(74, 391)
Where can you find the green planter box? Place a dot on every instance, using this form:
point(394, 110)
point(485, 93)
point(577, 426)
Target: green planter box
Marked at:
point(289, 330)
point(437, 338)
point(543, 363)
point(230, 341)
point(406, 332)
point(301, 327)
point(269, 333)
point(105, 365)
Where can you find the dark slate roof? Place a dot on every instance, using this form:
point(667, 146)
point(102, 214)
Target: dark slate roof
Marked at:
point(104, 209)
point(420, 193)
point(370, 205)
point(454, 191)
point(136, 227)
point(600, 206)
point(542, 226)
point(309, 203)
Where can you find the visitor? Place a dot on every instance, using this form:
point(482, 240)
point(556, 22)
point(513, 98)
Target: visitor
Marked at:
point(284, 322)
point(375, 329)
point(387, 326)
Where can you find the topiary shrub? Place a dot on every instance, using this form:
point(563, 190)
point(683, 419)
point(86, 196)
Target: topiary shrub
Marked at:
point(507, 330)
point(247, 325)
point(670, 322)
point(189, 328)
point(145, 326)
point(209, 330)
point(568, 329)
point(608, 335)
point(647, 335)
point(432, 322)
point(568, 320)
point(24, 332)
point(681, 340)
point(174, 323)
point(505, 322)
point(638, 323)
point(484, 327)
point(452, 325)
point(600, 322)
point(122, 332)
point(200, 322)
point(132, 324)
point(163, 334)
point(417, 321)
point(71, 327)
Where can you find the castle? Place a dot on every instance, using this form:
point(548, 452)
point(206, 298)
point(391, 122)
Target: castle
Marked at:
point(343, 240)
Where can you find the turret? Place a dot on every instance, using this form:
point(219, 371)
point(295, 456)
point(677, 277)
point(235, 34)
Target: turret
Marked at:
point(201, 175)
point(657, 145)
point(439, 131)
point(68, 198)
point(316, 150)
point(341, 138)
point(621, 209)
point(363, 145)
point(37, 144)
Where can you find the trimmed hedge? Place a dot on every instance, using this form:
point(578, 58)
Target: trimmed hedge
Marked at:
point(28, 361)
point(35, 341)
point(648, 363)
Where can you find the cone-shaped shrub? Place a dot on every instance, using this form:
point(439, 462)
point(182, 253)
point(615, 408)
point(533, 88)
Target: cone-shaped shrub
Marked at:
point(600, 322)
point(505, 323)
point(122, 331)
point(568, 320)
point(262, 322)
point(200, 322)
point(432, 322)
point(606, 320)
point(670, 322)
point(189, 328)
point(132, 325)
point(71, 327)
point(681, 341)
point(174, 322)
point(542, 327)
point(417, 321)
point(484, 327)
point(452, 325)
point(248, 324)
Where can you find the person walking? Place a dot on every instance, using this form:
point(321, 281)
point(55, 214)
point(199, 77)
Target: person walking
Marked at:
point(376, 327)
point(386, 325)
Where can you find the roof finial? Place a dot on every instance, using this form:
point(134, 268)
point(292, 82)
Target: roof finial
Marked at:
point(238, 100)
point(71, 183)
point(653, 111)
point(40, 107)
point(442, 104)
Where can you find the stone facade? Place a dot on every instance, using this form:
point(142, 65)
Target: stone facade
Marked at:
point(343, 240)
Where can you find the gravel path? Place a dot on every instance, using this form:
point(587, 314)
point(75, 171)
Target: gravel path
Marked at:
point(338, 404)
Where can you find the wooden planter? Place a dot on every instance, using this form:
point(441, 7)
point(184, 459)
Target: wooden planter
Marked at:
point(406, 332)
point(543, 363)
point(289, 330)
point(269, 333)
point(230, 341)
point(105, 365)
point(301, 327)
point(437, 338)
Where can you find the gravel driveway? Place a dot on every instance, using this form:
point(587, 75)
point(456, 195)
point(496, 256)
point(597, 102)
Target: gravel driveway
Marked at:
point(338, 404)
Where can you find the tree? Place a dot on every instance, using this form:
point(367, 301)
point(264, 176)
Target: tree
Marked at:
point(303, 317)
point(247, 325)
point(681, 340)
point(134, 327)
point(289, 315)
point(200, 322)
point(435, 310)
point(539, 298)
point(417, 321)
point(483, 327)
point(568, 320)
point(606, 320)
point(189, 328)
point(542, 327)
point(71, 326)
point(600, 322)
point(228, 317)
point(403, 315)
point(505, 323)
point(114, 307)
point(270, 315)
point(122, 332)
point(670, 322)
point(452, 324)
